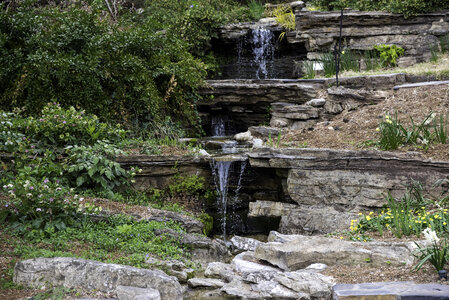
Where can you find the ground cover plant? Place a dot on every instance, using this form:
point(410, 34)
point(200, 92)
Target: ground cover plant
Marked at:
point(51, 167)
point(414, 214)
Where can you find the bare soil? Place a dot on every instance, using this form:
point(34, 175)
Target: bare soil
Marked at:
point(352, 128)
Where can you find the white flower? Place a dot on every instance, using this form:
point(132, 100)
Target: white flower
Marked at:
point(431, 235)
point(29, 195)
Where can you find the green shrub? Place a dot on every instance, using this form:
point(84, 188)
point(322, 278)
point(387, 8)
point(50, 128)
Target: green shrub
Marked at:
point(43, 204)
point(389, 54)
point(94, 167)
point(118, 71)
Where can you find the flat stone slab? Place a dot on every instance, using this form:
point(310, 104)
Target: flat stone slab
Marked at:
point(405, 290)
point(418, 84)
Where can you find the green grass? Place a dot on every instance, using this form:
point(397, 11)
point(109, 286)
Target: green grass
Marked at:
point(439, 68)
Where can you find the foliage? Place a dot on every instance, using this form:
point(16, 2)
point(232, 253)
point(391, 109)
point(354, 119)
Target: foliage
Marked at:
point(117, 71)
point(43, 205)
point(309, 69)
point(444, 42)
point(57, 127)
point(406, 7)
point(328, 62)
point(437, 254)
point(191, 185)
point(393, 134)
point(285, 17)
point(349, 61)
point(94, 166)
point(116, 239)
point(389, 54)
point(256, 9)
point(371, 60)
point(409, 215)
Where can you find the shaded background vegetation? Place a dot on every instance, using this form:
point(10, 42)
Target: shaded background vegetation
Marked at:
point(140, 68)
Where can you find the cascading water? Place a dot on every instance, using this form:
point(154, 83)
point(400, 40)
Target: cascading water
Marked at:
point(218, 126)
point(263, 51)
point(255, 54)
point(221, 170)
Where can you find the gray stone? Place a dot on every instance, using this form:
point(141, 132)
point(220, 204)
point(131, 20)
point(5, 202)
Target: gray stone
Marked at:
point(319, 102)
point(277, 237)
point(203, 249)
point(316, 285)
point(241, 244)
point(243, 137)
point(74, 272)
point(246, 262)
point(263, 132)
point(173, 268)
point(277, 291)
point(315, 220)
point(305, 250)
point(316, 268)
point(205, 283)
point(134, 293)
point(243, 290)
point(220, 270)
point(269, 209)
point(394, 290)
point(293, 111)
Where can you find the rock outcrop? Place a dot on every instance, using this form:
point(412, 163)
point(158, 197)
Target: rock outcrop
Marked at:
point(249, 278)
point(303, 251)
point(92, 275)
point(362, 30)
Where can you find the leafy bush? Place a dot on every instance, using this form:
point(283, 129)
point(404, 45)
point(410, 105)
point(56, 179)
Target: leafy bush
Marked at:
point(118, 71)
point(43, 204)
point(389, 54)
point(59, 127)
point(94, 166)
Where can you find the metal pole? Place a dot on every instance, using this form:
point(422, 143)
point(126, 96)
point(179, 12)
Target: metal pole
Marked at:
point(337, 56)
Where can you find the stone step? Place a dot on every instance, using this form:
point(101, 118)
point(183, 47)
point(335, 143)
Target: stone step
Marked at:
point(405, 290)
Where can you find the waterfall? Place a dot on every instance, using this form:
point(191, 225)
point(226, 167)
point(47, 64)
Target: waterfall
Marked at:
point(263, 51)
point(218, 126)
point(221, 170)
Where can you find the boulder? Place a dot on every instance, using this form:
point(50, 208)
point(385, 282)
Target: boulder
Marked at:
point(190, 224)
point(220, 270)
point(315, 285)
point(92, 275)
point(246, 262)
point(305, 250)
point(240, 244)
point(243, 136)
point(203, 249)
point(206, 283)
point(173, 268)
point(243, 290)
point(319, 102)
point(134, 293)
point(315, 220)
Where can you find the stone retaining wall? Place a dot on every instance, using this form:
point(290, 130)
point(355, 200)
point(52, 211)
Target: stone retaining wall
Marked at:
point(362, 30)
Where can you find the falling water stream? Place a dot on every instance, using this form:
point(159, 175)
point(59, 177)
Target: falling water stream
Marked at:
point(263, 50)
point(222, 167)
point(255, 54)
